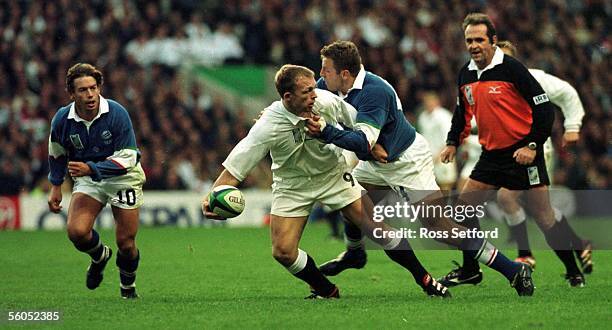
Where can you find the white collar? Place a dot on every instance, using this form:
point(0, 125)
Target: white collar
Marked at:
point(293, 118)
point(498, 58)
point(103, 108)
point(358, 83)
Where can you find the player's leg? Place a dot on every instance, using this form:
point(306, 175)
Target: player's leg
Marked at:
point(355, 255)
point(128, 255)
point(557, 234)
point(398, 249)
point(477, 249)
point(82, 214)
point(286, 233)
point(514, 215)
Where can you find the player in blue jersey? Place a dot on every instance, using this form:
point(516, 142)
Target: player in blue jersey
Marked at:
point(93, 140)
point(403, 163)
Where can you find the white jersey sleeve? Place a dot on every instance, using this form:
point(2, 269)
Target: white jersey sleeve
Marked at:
point(565, 96)
point(250, 150)
point(335, 109)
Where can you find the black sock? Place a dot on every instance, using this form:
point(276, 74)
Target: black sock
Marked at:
point(519, 232)
point(353, 236)
point(94, 247)
point(317, 281)
point(127, 268)
point(558, 238)
point(469, 263)
point(574, 238)
point(403, 255)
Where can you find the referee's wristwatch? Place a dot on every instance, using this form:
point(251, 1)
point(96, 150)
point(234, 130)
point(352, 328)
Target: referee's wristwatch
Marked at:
point(532, 145)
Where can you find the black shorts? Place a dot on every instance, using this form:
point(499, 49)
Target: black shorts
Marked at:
point(498, 168)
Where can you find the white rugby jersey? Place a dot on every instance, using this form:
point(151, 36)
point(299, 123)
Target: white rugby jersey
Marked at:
point(434, 126)
point(283, 134)
point(563, 95)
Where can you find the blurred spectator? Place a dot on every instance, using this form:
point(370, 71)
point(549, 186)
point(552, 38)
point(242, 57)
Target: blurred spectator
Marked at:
point(185, 134)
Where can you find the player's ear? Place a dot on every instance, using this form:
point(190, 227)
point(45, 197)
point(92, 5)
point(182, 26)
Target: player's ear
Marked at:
point(494, 41)
point(287, 96)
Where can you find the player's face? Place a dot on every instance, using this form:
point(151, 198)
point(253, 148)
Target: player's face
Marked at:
point(478, 45)
point(303, 97)
point(86, 94)
point(333, 79)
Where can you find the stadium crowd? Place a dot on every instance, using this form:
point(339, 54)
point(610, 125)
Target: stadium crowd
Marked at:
point(185, 132)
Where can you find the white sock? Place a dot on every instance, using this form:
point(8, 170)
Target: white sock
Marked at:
point(300, 262)
point(515, 218)
point(558, 214)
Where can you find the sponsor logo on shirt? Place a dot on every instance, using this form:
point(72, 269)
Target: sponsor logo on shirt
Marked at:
point(76, 141)
point(106, 137)
point(494, 90)
point(539, 99)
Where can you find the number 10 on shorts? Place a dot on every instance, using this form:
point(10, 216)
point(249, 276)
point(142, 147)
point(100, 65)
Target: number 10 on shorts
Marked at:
point(127, 196)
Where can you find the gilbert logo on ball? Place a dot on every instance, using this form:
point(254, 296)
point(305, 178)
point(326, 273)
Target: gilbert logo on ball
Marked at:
point(226, 201)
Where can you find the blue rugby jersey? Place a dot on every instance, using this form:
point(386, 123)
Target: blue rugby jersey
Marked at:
point(107, 144)
point(380, 119)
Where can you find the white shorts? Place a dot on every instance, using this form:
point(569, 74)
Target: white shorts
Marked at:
point(472, 148)
point(413, 171)
point(123, 191)
point(549, 158)
point(296, 197)
point(445, 173)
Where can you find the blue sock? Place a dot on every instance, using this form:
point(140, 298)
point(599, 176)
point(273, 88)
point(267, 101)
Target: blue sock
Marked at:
point(94, 247)
point(127, 269)
point(483, 251)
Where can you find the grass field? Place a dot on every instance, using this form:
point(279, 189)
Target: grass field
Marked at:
point(226, 278)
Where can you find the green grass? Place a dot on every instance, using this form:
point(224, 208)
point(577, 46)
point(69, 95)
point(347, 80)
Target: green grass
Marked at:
point(213, 278)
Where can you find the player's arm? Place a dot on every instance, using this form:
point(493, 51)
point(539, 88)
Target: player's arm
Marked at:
point(371, 116)
point(125, 157)
point(460, 128)
point(542, 110)
point(242, 159)
point(564, 95)
point(58, 160)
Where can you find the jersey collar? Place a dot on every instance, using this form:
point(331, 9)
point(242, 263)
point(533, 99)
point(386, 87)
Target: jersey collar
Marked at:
point(293, 118)
point(358, 83)
point(72, 114)
point(498, 58)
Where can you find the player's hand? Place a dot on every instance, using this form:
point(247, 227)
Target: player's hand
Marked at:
point(207, 212)
point(448, 154)
point(77, 169)
point(315, 125)
point(524, 156)
point(570, 139)
point(55, 199)
point(379, 153)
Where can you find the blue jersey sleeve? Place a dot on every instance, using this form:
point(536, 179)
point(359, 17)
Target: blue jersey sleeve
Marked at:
point(126, 154)
point(58, 157)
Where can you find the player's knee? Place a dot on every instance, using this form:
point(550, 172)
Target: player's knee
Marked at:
point(284, 255)
point(78, 235)
point(126, 244)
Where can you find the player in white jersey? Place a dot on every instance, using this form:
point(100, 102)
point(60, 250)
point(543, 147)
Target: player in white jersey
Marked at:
point(434, 123)
point(563, 95)
point(305, 171)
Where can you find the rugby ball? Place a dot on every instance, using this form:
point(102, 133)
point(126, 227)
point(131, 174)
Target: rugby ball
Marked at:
point(226, 201)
